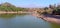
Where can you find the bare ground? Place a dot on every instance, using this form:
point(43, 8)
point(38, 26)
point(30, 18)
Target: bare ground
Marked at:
point(49, 18)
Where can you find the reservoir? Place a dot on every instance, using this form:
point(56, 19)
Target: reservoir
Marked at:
point(24, 21)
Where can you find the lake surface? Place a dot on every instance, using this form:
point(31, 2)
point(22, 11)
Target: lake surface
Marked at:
point(24, 21)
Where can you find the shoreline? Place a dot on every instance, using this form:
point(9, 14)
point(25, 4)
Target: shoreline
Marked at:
point(12, 12)
point(51, 19)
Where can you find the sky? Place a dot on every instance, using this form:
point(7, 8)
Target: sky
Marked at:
point(31, 3)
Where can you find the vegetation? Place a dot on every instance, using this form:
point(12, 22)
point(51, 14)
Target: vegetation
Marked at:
point(52, 9)
point(9, 7)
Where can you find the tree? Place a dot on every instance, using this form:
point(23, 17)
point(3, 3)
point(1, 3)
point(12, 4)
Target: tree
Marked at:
point(52, 6)
point(9, 7)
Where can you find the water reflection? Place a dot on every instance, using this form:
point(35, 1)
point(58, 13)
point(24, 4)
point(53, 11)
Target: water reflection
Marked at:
point(54, 25)
point(8, 16)
point(24, 21)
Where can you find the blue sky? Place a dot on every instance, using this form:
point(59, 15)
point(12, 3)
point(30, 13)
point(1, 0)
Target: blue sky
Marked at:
point(31, 3)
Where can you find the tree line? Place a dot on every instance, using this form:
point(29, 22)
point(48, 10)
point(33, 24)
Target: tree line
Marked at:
point(52, 9)
point(9, 7)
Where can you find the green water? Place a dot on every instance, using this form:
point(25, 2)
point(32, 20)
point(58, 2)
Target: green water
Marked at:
point(24, 21)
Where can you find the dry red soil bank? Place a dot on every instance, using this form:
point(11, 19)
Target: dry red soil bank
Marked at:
point(49, 18)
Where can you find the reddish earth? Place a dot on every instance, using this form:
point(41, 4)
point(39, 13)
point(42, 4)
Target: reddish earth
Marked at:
point(49, 18)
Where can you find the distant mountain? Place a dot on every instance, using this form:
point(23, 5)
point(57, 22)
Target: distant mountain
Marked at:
point(7, 4)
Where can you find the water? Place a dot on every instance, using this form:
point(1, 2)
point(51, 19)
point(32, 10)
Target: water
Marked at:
point(24, 21)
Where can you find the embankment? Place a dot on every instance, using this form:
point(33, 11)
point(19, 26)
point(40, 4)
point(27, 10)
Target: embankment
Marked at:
point(49, 18)
point(12, 12)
